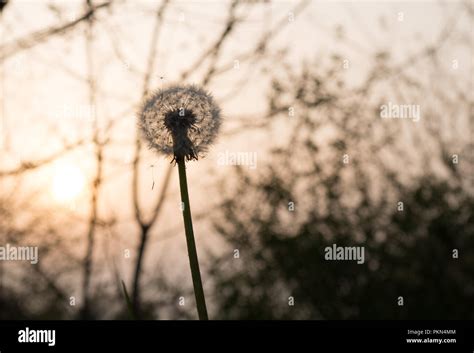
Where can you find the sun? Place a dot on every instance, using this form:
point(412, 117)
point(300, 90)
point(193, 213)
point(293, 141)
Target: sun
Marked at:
point(67, 183)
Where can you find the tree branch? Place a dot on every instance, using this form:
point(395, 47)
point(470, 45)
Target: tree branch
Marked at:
point(30, 165)
point(43, 35)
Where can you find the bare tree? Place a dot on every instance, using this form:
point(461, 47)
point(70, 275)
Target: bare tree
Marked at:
point(143, 224)
point(38, 37)
point(98, 150)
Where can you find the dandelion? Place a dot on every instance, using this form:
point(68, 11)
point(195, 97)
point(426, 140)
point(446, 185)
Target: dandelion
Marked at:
point(181, 122)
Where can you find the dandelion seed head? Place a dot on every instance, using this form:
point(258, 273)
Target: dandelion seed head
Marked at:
point(180, 121)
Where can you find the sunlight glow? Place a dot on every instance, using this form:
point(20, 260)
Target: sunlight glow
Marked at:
point(68, 183)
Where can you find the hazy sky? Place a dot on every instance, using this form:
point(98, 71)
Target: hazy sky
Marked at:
point(45, 97)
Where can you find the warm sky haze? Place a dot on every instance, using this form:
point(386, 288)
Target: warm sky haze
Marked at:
point(46, 103)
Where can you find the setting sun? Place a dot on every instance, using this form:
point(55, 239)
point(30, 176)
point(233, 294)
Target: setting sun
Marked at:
point(68, 183)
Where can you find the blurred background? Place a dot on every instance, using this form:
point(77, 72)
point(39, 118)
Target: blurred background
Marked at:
point(305, 159)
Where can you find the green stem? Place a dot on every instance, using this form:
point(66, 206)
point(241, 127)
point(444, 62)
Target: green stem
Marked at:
point(192, 253)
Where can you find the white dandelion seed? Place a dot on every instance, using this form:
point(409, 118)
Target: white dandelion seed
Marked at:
point(180, 121)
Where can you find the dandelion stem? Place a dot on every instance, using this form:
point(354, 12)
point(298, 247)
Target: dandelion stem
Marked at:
point(192, 253)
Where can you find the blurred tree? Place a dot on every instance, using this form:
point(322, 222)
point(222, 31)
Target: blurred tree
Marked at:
point(314, 122)
point(3, 3)
point(307, 196)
